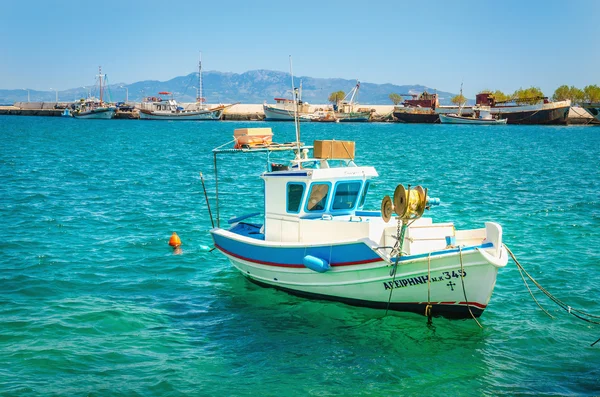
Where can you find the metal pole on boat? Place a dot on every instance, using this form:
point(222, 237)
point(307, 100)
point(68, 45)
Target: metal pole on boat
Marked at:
point(217, 188)
point(296, 122)
point(207, 202)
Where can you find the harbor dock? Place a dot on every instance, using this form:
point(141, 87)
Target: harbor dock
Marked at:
point(239, 112)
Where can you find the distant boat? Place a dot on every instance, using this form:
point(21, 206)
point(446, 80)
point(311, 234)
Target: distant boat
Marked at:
point(157, 108)
point(95, 109)
point(482, 116)
point(321, 115)
point(344, 111)
point(542, 111)
point(283, 109)
point(419, 109)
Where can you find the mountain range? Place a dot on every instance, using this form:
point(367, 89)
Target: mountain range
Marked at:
point(255, 86)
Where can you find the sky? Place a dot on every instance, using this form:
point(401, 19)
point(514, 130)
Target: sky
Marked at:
point(498, 45)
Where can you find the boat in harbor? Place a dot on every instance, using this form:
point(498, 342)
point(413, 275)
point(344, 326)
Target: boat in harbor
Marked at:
point(314, 237)
point(593, 109)
point(537, 110)
point(419, 109)
point(159, 108)
point(481, 116)
point(344, 111)
point(283, 109)
point(92, 108)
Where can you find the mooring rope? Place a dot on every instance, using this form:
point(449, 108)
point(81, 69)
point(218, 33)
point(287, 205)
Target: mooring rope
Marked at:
point(399, 244)
point(462, 280)
point(580, 314)
point(428, 307)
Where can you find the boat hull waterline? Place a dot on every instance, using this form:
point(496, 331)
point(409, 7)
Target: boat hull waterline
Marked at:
point(455, 119)
point(362, 278)
point(102, 114)
point(203, 115)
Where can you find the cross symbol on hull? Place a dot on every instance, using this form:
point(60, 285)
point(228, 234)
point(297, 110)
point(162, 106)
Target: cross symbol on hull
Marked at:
point(451, 285)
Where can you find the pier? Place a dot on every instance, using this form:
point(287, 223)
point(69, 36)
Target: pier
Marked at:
point(239, 112)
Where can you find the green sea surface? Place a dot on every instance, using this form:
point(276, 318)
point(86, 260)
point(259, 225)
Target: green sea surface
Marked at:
point(93, 301)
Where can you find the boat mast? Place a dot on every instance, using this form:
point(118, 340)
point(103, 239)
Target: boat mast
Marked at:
point(200, 81)
point(460, 106)
point(296, 120)
point(354, 91)
point(100, 77)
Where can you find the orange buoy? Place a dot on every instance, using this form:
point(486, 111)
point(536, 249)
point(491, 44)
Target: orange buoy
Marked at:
point(174, 241)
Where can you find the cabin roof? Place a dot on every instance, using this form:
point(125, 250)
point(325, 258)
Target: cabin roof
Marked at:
point(324, 173)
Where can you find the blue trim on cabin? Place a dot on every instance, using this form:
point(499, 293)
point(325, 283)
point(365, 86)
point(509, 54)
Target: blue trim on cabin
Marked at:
point(345, 210)
point(279, 173)
point(301, 198)
point(327, 202)
point(363, 196)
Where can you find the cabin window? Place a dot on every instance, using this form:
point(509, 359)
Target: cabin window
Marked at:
point(363, 196)
point(345, 195)
point(295, 192)
point(317, 198)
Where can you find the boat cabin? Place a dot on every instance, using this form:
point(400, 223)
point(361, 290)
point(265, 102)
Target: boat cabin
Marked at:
point(318, 190)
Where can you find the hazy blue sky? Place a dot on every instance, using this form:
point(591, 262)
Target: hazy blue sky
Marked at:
point(502, 45)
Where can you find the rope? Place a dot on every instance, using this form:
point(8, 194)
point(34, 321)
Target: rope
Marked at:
point(428, 307)
point(569, 309)
point(462, 280)
point(580, 314)
point(398, 245)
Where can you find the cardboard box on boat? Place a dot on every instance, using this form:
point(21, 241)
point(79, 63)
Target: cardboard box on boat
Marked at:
point(332, 149)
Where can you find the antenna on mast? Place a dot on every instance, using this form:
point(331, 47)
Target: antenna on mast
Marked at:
point(296, 121)
point(200, 99)
point(100, 77)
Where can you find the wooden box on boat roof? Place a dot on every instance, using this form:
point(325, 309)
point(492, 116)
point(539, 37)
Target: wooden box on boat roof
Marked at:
point(332, 149)
point(252, 136)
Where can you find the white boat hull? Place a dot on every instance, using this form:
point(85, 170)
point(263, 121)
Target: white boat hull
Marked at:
point(102, 114)
point(370, 284)
point(276, 114)
point(185, 115)
point(454, 119)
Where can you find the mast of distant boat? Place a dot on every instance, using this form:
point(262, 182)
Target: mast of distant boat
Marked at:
point(296, 120)
point(460, 106)
point(100, 78)
point(199, 92)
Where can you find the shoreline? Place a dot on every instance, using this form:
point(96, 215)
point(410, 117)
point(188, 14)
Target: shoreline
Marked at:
point(241, 112)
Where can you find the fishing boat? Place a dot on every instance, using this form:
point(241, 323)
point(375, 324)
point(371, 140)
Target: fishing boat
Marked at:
point(481, 116)
point(283, 109)
point(92, 108)
point(159, 108)
point(344, 111)
point(315, 239)
point(538, 110)
point(419, 109)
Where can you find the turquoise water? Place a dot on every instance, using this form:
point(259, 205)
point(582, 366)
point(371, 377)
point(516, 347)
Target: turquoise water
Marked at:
point(93, 301)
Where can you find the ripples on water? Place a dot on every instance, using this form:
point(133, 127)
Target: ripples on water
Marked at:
point(92, 301)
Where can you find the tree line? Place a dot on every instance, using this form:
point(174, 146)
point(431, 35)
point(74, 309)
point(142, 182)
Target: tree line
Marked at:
point(531, 95)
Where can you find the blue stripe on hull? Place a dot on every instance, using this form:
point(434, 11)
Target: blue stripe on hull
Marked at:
point(437, 310)
point(293, 256)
